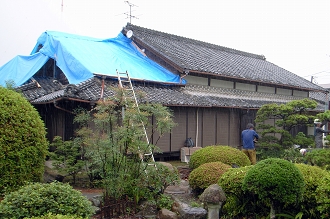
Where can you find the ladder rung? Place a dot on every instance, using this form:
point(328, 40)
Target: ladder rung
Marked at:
point(149, 154)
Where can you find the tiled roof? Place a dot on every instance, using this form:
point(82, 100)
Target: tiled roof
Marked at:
point(190, 95)
point(202, 57)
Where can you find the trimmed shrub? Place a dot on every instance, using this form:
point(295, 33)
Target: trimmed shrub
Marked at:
point(225, 154)
point(323, 197)
point(37, 199)
point(207, 174)
point(23, 143)
point(275, 181)
point(239, 203)
point(313, 176)
point(319, 157)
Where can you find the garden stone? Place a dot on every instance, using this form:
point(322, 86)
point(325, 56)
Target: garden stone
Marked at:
point(213, 196)
point(96, 200)
point(187, 212)
point(167, 214)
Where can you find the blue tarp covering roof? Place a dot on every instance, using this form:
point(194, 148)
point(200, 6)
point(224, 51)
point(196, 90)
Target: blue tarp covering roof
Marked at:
point(80, 57)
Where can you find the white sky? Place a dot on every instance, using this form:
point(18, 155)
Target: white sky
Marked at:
point(293, 34)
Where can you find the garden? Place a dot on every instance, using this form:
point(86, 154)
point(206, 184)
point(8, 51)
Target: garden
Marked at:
point(111, 153)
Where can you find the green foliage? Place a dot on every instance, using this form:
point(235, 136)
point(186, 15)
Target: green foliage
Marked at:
point(319, 157)
point(313, 177)
point(323, 197)
point(303, 140)
point(276, 181)
point(67, 157)
point(293, 155)
point(325, 116)
point(165, 201)
point(286, 116)
point(23, 143)
point(225, 154)
point(113, 140)
point(38, 199)
point(239, 203)
point(57, 216)
point(269, 152)
point(152, 183)
point(207, 174)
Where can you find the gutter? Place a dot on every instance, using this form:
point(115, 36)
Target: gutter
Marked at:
point(60, 108)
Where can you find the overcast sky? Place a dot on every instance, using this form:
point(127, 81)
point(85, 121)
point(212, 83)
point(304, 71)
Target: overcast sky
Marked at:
point(293, 34)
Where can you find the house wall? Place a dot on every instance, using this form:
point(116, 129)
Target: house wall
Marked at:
point(248, 87)
point(196, 80)
point(300, 93)
point(284, 91)
point(206, 126)
point(222, 83)
point(265, 89)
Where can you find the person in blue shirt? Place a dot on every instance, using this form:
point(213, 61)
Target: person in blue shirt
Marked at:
point(249, 136)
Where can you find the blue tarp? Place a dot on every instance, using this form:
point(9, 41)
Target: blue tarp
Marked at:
point(79, 57)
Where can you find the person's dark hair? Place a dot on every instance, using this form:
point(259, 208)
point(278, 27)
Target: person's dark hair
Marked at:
point(249, 125)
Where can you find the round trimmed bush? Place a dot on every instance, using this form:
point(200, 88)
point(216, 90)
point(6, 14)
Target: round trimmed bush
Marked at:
point(231, 181)
point(23, 143)
point(225, 154)
point(37, 199)
point(207, 174)
point(275, 180)
point(313, 177)
point(323, 197)
point(239, 204)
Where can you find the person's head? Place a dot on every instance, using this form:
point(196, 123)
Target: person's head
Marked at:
point(318, 124)
point(249, 126)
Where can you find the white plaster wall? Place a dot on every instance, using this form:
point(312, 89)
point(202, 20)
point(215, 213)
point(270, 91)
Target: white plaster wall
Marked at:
point(264, 89)
point(248, 87)
point(222, 83)
point(196, 80)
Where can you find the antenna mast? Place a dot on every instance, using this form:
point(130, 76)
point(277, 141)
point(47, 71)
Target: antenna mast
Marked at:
point(130, 11)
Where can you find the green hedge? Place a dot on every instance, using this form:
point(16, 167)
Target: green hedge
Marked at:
point(225, 154)
point(207, 174)
point(323, 197)
point(239, 204)
point(313, 177)
point(23, 143)
point(37, 199)
point(275, 180)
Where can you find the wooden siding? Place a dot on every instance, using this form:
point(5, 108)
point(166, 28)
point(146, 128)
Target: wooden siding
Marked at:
point(222, 127)
point(206, 126)
point(209, 130)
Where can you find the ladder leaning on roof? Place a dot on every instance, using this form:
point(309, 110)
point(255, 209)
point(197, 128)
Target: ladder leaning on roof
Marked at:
point(124, 78)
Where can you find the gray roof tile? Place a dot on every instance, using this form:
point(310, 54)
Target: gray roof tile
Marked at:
point(200, 56)
point(190, 95)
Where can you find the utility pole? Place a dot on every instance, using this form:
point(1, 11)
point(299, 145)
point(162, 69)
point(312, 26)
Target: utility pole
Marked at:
point(130, 11)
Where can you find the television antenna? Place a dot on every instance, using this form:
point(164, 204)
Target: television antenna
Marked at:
point(130, 11)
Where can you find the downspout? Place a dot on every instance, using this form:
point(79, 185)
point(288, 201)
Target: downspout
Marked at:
point(196, 140)
point(60, 108)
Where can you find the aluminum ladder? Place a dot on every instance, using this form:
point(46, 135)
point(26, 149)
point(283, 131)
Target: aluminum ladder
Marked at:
point(125, 83)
